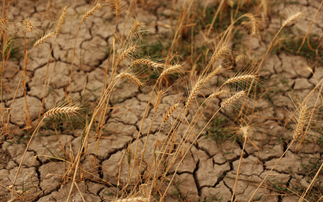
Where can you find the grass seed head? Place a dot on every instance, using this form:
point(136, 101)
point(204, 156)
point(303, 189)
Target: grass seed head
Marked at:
point(148, 63)
point(43, 39)
point(233, 99)
point(302, 119)
point(171, 69)
point(61, 21)
point(58, 111)
point(125, 53)
point(90, 12)
point(292, 15)
point(169, 112)
point(130, 77)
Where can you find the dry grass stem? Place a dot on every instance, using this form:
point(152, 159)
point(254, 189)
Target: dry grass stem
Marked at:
point(125, 53)
point(130, 77)
point(90, 12)
point(148, 63)
point(61, 21)
point(233, 99)
point(169, 112)
point(43, 39)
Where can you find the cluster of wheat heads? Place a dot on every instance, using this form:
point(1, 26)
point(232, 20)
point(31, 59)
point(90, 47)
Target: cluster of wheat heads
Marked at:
point(173, 142)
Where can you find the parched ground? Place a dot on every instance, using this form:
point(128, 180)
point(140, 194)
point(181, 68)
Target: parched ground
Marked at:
point(209, 169)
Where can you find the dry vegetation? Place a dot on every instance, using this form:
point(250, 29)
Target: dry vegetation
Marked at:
point(182, 71)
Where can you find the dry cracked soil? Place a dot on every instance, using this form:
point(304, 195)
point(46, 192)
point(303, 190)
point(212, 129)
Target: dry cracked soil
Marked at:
point(208, 171)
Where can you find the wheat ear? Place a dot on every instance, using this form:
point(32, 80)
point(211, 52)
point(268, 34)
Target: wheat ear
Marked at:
point(134, 28)
point(194, 92)
point(301, 122)
point(148, 63)
point(216, 94)
point(240, 57)
point(233, 99)
point(130, 77)
point(253, 23)
point(219, 53)
point(169, 112)
point(158, 99)
point(43, 39)
point(28, 26)
point(171, 69)
point(240, 78)
point(292, 18)
point(90, 12)
point(212, 74)
point(61, 21)
point(132, 199)
point(125, 53)
point(57, 111)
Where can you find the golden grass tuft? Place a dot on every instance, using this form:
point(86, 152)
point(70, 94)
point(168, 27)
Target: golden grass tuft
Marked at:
point(197, 87)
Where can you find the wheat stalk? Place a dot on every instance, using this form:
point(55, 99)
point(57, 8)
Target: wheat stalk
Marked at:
point(232, 99)
point(43, 39)
point(61, 21)
point(301, 122)
point(125, 53)
point(148, 63)
point(130, 77)
point(90, 12)
point(169, 112)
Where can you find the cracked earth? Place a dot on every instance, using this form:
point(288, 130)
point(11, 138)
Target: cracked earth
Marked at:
point(208, 171)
